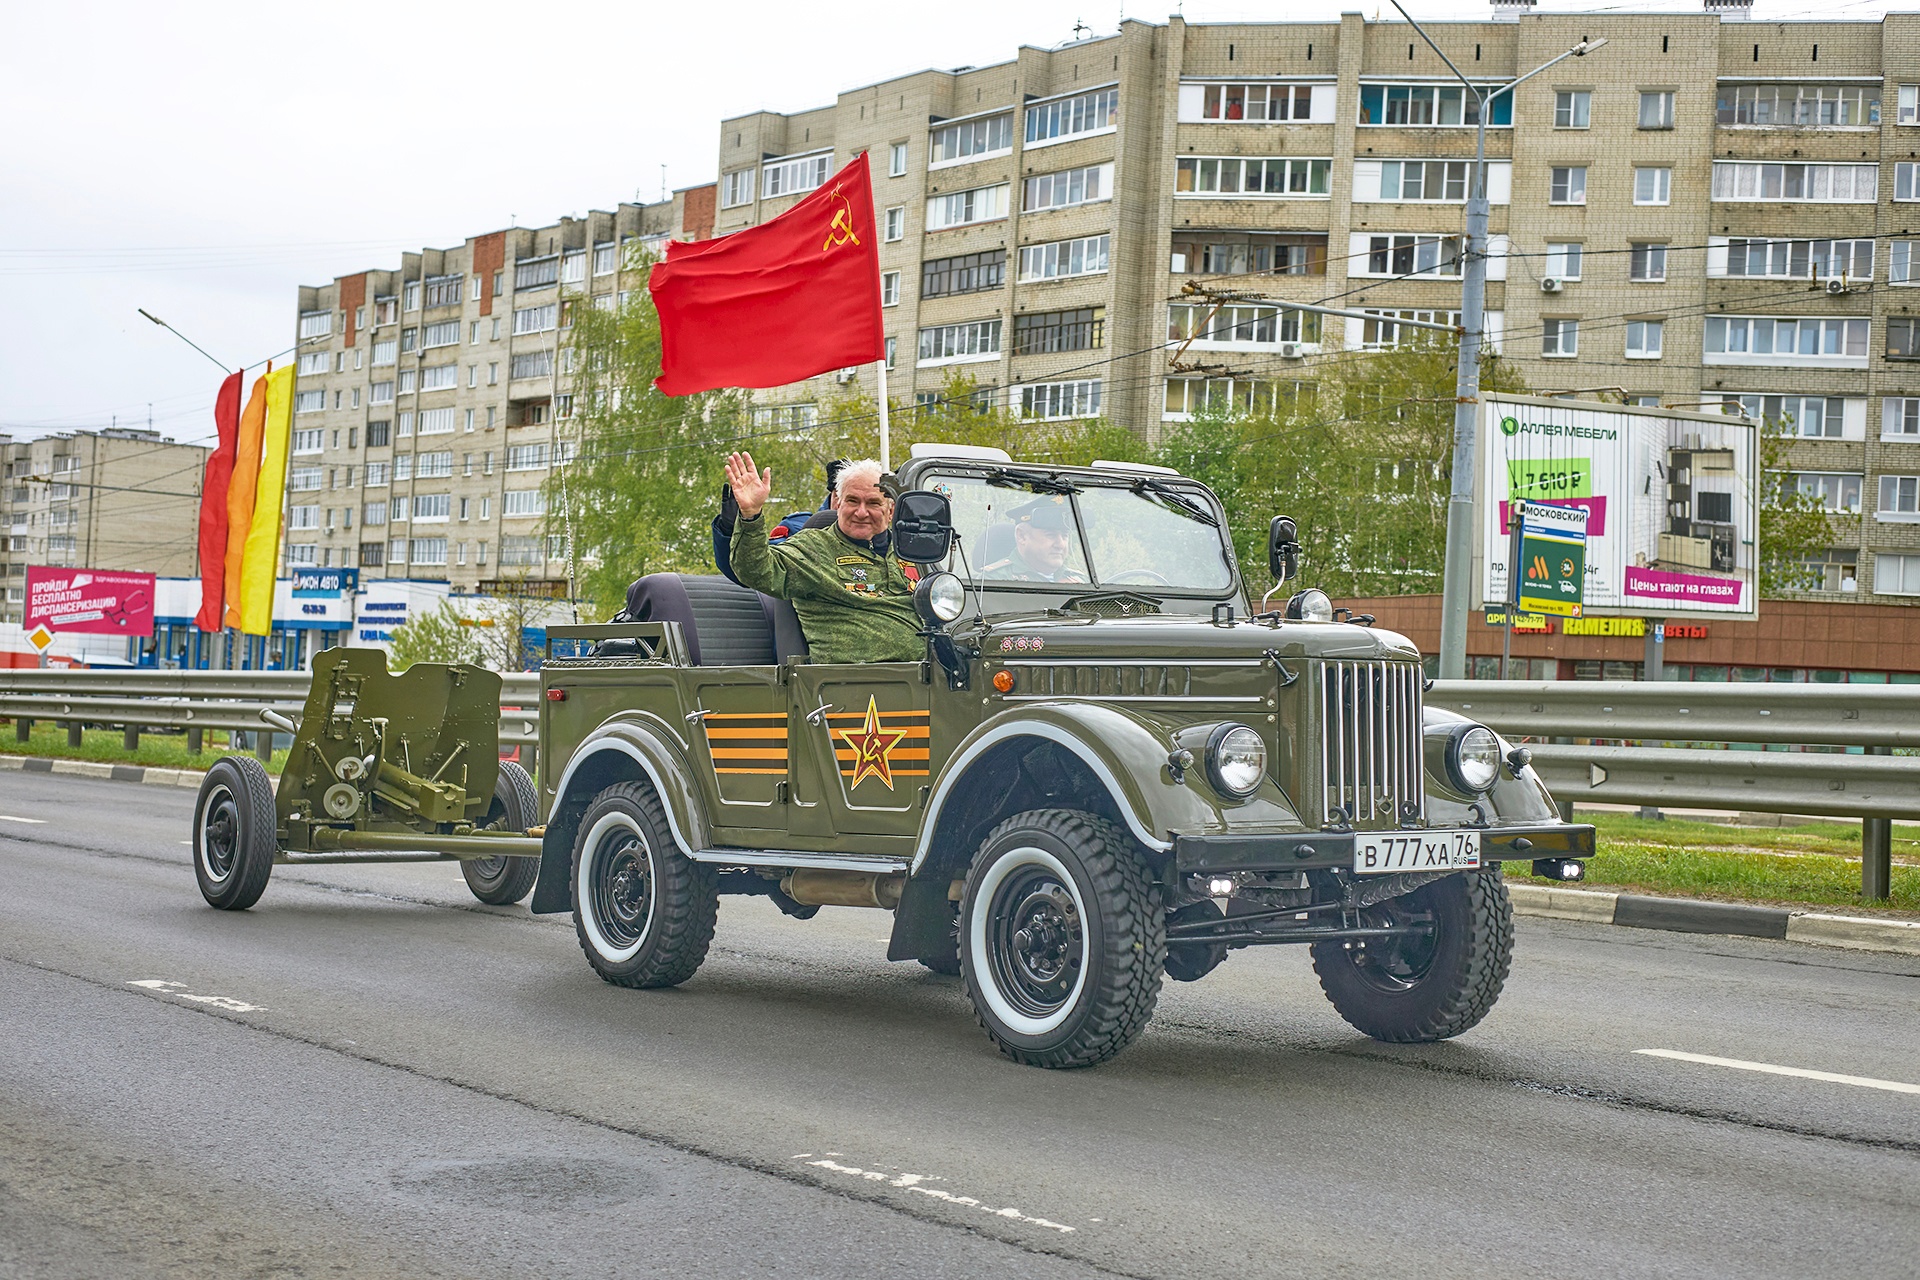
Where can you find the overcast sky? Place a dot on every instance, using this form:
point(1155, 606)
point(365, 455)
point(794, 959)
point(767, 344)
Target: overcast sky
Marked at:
point(203, 161)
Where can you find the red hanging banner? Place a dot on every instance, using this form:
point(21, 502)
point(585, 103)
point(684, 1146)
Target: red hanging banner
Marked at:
point(213, 507)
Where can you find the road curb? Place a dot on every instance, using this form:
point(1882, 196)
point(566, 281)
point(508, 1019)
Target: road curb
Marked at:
point(103, 769)
point(1686, 915)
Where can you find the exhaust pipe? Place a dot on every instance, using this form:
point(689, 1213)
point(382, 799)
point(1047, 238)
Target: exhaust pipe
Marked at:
point(813, 887)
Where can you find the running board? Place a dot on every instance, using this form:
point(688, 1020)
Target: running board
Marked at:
point(800, 858)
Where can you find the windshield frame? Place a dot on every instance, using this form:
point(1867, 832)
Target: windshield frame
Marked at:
point(926, 472)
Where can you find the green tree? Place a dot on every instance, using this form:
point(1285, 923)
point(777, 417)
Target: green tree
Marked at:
point(441, 636)
point(1795, 529)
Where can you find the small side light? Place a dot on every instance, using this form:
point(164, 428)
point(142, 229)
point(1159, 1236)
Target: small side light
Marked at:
point(1003, 681)
point(556, 695)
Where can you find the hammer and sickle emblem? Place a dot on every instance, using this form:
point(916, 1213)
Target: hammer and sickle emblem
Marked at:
point(840, 229)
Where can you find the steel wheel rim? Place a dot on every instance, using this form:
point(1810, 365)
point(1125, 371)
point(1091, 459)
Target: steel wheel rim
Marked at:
point(488, 869)
point(1029, 934)
point(219, 833)
point(1395, 965)
point(617, 888)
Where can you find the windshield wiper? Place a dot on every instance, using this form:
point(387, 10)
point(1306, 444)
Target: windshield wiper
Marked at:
point(1175, 499)
point(1038, 482)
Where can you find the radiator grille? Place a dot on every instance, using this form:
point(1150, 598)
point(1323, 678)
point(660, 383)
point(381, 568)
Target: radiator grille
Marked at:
point(1370, 737)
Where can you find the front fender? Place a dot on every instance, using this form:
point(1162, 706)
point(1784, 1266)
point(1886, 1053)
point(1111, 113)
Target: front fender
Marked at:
point(1521, 800)
point(633, 746)
point(1127, 756)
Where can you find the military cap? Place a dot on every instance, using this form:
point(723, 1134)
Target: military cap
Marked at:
point(1049, 511)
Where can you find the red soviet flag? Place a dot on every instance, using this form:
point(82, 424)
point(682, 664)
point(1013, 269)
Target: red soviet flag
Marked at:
point(213, 507)
point(775, 303)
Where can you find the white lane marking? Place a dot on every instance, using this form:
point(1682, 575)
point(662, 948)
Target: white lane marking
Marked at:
point(37, 822)
point(912, 1181)
point(1768, 1068)
point(166, 988)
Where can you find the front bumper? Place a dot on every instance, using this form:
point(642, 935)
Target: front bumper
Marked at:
point(1303, 850)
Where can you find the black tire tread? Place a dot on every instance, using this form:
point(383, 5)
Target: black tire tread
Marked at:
point(252, 788)
point(1129, 975)
point(686, 900)
point(1482, 975)
point(523, 805)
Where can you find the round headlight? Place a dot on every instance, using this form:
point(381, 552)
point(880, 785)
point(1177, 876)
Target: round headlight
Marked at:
point(939, 598)
point(1236, 759)
point(1474, 759)
point(1310, 605)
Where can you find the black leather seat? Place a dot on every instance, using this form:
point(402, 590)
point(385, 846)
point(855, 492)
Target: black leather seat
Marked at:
point(996, 544)
point(725, 625)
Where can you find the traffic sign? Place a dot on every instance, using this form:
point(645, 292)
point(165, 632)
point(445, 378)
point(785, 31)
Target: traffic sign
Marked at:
point(40, 638)
point(1553, 558)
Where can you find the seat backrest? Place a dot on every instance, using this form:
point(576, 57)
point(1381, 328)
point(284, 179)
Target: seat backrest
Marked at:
point(996, 544)
point(724, 625)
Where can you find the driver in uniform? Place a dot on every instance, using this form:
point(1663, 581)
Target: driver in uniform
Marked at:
point(1042, 541)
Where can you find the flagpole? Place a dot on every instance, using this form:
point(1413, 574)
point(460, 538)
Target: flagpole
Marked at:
point(886, 426)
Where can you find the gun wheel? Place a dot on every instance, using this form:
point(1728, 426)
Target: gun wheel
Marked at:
point(501, 882)
point(233, 833)
point(643, 910)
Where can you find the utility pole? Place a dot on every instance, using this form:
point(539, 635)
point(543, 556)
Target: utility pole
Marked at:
point(1456, 599)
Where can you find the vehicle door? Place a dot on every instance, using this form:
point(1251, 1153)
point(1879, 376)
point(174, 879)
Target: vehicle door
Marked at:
point(737, 723)
point(861, 757)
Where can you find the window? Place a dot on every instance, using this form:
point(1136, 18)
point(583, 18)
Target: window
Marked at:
point(1379, 332)
point(434, 466)
point(473, 295)
point(524, 502)
point(1909, 104)
point(315, 324)
point(428, 551)
point(377, 433)
point(309, 441)
point(970, 140)
point(1063, 258)
point(526, 457)
point(536, 273)
point(1818, 105)
point(444, 291)
point(1386, 104)
point(312, 364)
point(791, 177)
point(1903, 338)
point(789, 418)
point(1656, 108)
point(964, 273)
point(409, 381)
point(445, 333)
point(303, 479)
point(409, 340)
point(889, 288)
point(894, 224)
point(1256, 397)
point(1906, 181)
point(1061, 399)
point(1256, 102)
point(573, 266)
point(1069, 187)
point(1895, 575)
point(309, 401)
point(1809, 417)
point(440, 377)
point(1084, 113)
point(736, 188)
point(1647, 262)
point(1652, 186)
point(1572, 108)
point(535, 319)
point(897, 160)
point(606, 258)
point(1206, 253)
point(1818, 183)
point(302, 517)
point(385, 351)
point(431, 508)
point(375, 513)
point(301, 553)
point(1643, 339)
point(893, 345)
point(386, 310)
point(1240, 326)
point(1568, 185)
point(1900, 262)
point(959, 343)
point(1082, 329)
point(397, 551)
point(1559, 337)
point(1900, 499)
point(962, 208)
point(1838, 343)
point(1790, 259)
point(1431, 181)
point(531, 364)
point(1238, 176)
point(1900, 418)
point(402, 469)
point(521, 552)
point(1563, 261)
point(376, 475)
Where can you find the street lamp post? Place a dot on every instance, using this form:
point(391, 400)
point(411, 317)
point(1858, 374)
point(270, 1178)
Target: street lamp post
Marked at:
point(1456, 584)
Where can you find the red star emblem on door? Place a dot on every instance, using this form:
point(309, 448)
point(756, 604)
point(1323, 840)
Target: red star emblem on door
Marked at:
point(871, 746)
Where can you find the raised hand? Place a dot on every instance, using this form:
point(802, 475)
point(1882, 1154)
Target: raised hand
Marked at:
point(751, 488)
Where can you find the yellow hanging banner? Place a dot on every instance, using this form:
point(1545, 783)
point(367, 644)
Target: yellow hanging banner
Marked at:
point(261, 559)
point(246, 474)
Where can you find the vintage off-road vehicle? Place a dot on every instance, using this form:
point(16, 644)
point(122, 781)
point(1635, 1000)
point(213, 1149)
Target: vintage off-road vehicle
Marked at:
point(1110, 767)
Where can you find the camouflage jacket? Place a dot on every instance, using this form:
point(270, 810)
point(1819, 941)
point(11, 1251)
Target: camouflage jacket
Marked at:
point(855, 603)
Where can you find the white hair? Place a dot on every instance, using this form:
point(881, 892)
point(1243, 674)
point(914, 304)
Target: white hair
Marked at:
point(868, 469)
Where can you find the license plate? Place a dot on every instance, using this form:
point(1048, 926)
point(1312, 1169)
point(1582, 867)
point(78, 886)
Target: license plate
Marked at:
point(1381, 852)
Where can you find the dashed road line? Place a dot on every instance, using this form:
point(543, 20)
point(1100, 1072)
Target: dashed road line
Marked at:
point(178, 991)
point(38, 822)
point(915, 1182)
point(1768, 1068)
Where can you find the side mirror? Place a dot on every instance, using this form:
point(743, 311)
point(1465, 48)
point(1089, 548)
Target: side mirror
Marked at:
point(922, 526)
point(1283, 549)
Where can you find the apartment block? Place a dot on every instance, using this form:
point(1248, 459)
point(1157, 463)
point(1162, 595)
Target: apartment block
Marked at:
point(114, 499)
point(433, 398)
point(1707, 211)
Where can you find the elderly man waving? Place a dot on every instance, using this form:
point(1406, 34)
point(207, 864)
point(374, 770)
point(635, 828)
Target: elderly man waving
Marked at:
point(853, 596)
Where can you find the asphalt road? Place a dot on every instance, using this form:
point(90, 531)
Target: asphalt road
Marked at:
point(371, 1074)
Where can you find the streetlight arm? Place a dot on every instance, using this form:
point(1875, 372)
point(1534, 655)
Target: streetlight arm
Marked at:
point(1580, 50)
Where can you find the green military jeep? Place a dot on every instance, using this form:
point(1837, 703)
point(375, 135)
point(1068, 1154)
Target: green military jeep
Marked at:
point(1110, 766)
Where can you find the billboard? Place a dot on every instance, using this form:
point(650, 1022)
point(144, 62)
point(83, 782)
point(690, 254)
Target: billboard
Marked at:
point(90, 601)
point(1672, 502)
